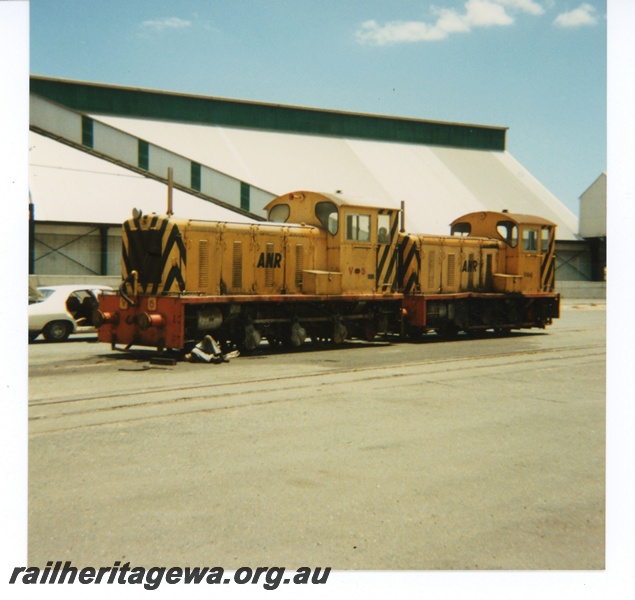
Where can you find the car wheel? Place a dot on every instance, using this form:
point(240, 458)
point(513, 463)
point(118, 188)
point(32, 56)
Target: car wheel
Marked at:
point(57, 331)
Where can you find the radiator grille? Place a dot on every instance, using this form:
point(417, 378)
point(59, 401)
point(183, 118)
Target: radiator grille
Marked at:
point(299, 264)
point(203, 264)
point(451, 269)
point(431, 265)
point(237, 266)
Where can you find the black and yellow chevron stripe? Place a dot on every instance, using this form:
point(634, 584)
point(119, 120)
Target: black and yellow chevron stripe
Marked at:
point(548, 265)
point(153, 246)
point(387, 258)
point(410, 265)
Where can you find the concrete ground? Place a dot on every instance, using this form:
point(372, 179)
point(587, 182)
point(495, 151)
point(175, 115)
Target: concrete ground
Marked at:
point(472, 454)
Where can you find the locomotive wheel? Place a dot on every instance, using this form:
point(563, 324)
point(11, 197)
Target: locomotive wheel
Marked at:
point(370, 331)
point(340, 333)
point(252, 337)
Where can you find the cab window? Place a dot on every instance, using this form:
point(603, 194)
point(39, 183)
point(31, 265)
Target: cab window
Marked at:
point(545, 240)
point(462, 229)
point(279, 213)
point(383, 228)
point(327, 214)
point(508, 232)
point(530, 240)
point(358, 228)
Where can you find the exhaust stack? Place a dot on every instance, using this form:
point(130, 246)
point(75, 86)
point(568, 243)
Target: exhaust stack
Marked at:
point(170, 191)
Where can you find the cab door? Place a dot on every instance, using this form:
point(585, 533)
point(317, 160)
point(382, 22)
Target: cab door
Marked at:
point(357, 256)
point(530, 258)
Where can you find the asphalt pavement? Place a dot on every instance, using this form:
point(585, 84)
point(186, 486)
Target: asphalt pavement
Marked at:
point(439, 455)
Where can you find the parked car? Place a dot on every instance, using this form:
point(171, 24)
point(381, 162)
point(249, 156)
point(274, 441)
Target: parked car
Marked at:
point(56, 311)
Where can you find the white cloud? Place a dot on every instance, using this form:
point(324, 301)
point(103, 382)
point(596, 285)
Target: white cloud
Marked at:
point(477, 13)
point(528, 6)
point(396, 32)
point(450, 22)
point(166, 23)
point(486, 13)
point(583, 15)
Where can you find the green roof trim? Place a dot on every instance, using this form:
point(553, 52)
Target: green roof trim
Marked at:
point(151, 104)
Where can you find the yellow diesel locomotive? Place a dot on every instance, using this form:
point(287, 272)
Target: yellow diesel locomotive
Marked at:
point(327, 268)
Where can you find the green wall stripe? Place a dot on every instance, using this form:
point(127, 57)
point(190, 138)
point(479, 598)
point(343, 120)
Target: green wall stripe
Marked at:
point(195, 176)
point(143, 155)
point(149, 104)
point(244, 196)
point(87, 132)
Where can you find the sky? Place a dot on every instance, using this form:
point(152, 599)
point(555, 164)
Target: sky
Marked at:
point(535, 66)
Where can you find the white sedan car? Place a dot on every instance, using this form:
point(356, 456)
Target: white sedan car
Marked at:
point(56, 311)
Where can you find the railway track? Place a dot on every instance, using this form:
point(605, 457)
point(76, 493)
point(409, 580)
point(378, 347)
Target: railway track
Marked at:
point(321, 381)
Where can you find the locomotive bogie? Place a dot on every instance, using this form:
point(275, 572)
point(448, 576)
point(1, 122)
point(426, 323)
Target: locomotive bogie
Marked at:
point(479, 312)
point(244, 321)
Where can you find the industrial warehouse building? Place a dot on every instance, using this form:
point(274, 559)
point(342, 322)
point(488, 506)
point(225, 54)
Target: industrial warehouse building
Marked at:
point(98, 151)
point(593, 226)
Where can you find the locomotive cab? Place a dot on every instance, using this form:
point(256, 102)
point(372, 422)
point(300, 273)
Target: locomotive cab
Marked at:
point(528, 264)
point(361, 244)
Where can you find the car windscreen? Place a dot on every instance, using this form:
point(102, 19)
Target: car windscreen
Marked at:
point(44, 293)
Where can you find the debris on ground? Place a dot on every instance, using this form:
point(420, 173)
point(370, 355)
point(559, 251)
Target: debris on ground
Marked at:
point(161, 360)
point(208, 351)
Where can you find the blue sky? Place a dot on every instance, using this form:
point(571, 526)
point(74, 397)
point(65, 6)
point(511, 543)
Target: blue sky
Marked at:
point(535, 66)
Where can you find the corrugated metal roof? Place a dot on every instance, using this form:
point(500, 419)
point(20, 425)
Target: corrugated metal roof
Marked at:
point(441, 170)
point(438, 184)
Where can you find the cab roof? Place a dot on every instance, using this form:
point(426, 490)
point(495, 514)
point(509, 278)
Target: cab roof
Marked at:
point(338, 199)
point(518, 219)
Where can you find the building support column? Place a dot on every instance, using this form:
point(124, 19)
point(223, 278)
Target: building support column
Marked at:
point(103, 232)
point(31, 238)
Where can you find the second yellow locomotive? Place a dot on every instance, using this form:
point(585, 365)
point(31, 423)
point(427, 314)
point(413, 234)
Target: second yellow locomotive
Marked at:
point(328, 268)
